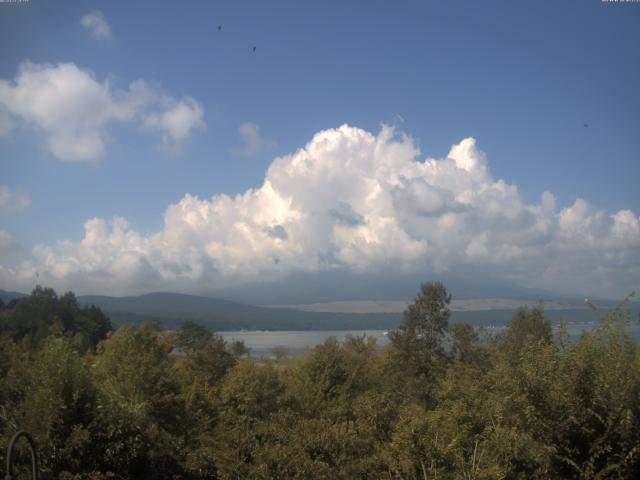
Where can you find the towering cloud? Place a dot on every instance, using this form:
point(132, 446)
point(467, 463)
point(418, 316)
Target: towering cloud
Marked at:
point(361, 202)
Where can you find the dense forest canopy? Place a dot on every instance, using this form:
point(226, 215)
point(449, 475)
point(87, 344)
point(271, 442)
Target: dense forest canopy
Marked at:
point(44, 312)
point(439, 401)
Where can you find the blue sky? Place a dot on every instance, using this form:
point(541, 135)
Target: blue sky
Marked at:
point(522, 78)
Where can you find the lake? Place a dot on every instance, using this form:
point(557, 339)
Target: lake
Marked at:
point(297, 342)
point(261, 343)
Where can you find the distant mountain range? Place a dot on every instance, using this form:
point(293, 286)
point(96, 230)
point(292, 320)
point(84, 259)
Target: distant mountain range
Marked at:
point(7, 296)
point(171, 309)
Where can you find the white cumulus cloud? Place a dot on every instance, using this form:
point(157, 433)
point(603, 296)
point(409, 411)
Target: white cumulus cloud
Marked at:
point(12, 200)
point(96, 25)
point(73, 109)
point(176, 122)
point(355, 201)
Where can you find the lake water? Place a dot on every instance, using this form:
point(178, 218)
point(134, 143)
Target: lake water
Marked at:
point(261, 343)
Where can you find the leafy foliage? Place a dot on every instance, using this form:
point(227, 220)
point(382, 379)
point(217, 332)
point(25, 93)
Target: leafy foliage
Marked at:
point(43, 313)
point(439, 402)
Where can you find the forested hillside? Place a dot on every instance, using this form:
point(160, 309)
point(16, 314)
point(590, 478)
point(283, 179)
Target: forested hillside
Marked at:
point(441, 401)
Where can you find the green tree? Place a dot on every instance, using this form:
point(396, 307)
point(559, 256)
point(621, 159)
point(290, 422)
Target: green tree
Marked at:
point(528, 325)
point(418, 344)
point(141, 421)
point(250, 395)
point(37, 316)
point(466, 345)
point(238, 349)
point(56, 404)
point(280, 352)
point(207, 357)
point(193, 336)
point(426, 321)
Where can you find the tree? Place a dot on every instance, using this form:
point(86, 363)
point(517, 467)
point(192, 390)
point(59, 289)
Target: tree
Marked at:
point(527, 326)
point(465, 345)
point(42, 313)
point(238, 349)
point(419, 341)
point(193, 336)
point(57, 405)
point(280, 352)
point(207, 357)
point(93, 324)
point(250, 395)
point(141, 417)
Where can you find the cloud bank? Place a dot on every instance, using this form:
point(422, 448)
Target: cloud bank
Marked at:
point(73, 109)
point(364, 203)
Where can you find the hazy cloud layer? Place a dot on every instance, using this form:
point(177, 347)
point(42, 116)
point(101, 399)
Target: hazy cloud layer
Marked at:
point(73, 109)
point(12, 200)
point(253, 142)
point(9, 247)
point(96, 25)
point(355, 201)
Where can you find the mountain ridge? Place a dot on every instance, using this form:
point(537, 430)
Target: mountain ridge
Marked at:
point(170, 309)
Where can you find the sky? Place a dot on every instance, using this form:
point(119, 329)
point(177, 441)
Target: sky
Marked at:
point(197, 146)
